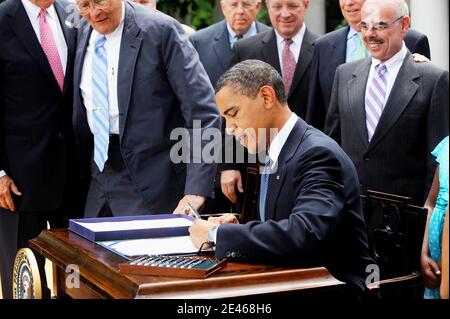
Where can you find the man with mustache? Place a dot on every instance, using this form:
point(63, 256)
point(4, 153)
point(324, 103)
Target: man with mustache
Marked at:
point(387, 112)
point(343, 46)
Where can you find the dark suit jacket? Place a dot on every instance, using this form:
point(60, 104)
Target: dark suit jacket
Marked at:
point(415, 119)
point(162, 86)
point(35, 115)
point(330, 52)
point(264, 47)
point(213, 46)
point(313, 212)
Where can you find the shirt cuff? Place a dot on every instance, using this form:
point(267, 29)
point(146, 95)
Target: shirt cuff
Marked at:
point(2, 173)
point(213, 234)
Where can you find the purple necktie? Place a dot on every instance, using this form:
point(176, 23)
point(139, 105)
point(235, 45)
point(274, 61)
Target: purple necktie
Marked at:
point(51, 51)
point(288, 66)
point(375, 98)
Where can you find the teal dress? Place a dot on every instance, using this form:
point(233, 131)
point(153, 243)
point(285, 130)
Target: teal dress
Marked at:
point(437, 218)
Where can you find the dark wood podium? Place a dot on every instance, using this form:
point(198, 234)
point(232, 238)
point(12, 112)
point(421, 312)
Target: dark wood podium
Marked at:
point(100, 276)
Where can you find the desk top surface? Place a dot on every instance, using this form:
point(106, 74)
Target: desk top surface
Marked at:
point(100, 267)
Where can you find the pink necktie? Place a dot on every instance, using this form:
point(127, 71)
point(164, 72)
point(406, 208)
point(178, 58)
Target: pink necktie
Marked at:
point(288, 66)
point(51, 51)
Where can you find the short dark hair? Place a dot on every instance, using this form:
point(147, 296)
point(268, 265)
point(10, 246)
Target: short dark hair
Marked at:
point(249, 76)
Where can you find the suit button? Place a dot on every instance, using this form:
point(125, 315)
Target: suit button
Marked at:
point(61, 135)
point(366, 158)
point(227, 254)
point(233, 255)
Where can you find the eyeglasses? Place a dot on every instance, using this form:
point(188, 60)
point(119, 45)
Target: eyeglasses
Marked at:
point(85, 6)
point(378, 26)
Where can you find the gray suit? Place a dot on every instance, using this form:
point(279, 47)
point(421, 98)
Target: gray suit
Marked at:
point(415, 119)
point(213, 46)
point(161, 86)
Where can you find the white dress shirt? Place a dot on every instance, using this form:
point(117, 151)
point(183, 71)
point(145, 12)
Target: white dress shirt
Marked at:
point(393, 66)
point(250, 32)
point(275, 148)
point(53, 21)
point(33, 12)
point(112, 48)
point(295, 47)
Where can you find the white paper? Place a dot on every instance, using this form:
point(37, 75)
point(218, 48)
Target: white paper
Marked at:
point(152, 246)
point(137, 224)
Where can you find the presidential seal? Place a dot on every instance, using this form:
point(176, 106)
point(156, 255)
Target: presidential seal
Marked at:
point(26, 278)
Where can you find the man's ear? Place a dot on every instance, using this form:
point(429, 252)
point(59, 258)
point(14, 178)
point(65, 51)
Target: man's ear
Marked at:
point(268, 95)
point(406, 24)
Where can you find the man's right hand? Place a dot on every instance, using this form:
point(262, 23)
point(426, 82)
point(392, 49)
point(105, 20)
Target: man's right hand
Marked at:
point(224, 219)
point(6, 187)
point(229, 181)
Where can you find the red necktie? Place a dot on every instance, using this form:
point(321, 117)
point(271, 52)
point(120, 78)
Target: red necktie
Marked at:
point(289, 65)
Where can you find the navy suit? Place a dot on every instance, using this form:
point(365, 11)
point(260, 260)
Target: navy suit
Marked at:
point(36, 138)
point(161, 86)
point(313, 212)
point(213, 46)
point(329, 53)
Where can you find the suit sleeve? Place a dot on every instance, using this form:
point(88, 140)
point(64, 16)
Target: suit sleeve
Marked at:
point(2, 115)
point(193, 89)
point(332, 120)
point(316, 109)
point(437, 122)
point(422, 46)
point(315, 215)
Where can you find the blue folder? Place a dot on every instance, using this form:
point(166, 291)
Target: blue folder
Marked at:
point(76, 227)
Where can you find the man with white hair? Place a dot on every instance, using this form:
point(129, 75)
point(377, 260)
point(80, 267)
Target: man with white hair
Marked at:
point(387, 112)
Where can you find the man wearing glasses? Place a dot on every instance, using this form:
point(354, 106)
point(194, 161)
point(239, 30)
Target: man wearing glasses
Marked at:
point(387, 112)
point(343, 46)
point(136, 79)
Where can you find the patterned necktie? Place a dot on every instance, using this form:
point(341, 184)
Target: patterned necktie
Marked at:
point(375, 98)
point(100, 114)
point(263, 187)
point(50, 49)
point(288, 66)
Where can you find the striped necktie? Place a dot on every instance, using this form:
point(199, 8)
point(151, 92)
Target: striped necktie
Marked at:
point(375, 99)
point(100, 114)
point(263, 187)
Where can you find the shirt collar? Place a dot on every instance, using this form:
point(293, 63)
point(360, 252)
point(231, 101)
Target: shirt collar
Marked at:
point(34, 10)
point(251, 31)
point(280, 139)
point(397, 59)
point(297, 39)
point(351, 33)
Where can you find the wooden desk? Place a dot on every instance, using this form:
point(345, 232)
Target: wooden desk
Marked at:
point(100, 276)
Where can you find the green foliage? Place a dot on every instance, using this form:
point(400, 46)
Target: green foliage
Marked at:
point(199, 11)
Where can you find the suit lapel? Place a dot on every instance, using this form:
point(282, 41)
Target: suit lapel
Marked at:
point(356, 98)
point(339, 48)
point(70, 37)
point(401, 94)
point(278, 177)
point(129, 50)
point(269, 50)
point(221, 46)
point(24, 31)
point(304, 60)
